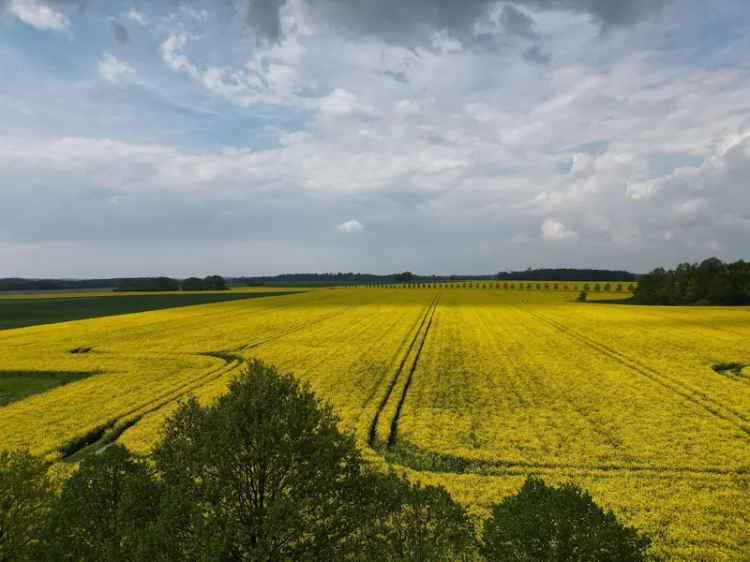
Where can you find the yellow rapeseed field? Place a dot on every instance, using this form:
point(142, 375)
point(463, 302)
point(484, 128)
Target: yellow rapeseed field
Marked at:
point(470, 387)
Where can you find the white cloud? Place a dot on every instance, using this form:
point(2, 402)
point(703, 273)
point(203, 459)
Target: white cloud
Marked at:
point(350, 226)
point(114, 70)
point(39, 15)
point(553, 230)
point(610, 146)
point(138, 17)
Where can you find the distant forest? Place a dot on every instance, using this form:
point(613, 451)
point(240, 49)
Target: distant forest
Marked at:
point(711, 282)
point(330, 279)
point(567, 275)
point(215, 282)
point(146, 284)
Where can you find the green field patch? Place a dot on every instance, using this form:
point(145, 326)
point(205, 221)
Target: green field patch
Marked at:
point(19, 313)
point(17, 385)
point(732, 368)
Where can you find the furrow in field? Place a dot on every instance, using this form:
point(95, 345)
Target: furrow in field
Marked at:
point(372, 437)
point(537, 372)
point(687, 392)
point(232, 362)
point(393, 434)
point(482, 389)
point(411, 456)
point(496, 384)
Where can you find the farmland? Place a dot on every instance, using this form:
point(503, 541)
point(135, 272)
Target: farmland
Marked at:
point(21, 310)
point(472, 388)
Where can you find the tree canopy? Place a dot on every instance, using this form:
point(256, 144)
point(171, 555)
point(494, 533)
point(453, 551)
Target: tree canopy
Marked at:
point(709, 282)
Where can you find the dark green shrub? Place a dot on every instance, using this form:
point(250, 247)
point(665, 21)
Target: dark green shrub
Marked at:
point(26, 497)
point(547, 524)
point(104, 509)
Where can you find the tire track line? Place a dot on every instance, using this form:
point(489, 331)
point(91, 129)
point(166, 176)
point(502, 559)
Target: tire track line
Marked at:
point(231, 363)
point(692, 395)
point(445, 463)
point(372, 433)
point(393, 435)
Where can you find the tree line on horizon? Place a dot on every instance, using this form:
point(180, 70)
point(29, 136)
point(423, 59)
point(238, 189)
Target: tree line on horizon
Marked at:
point(163, 283)
point(119, 284)
point(710, 282)
point(209, 283)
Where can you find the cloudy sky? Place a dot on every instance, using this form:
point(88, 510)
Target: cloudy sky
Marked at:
point(265, 136)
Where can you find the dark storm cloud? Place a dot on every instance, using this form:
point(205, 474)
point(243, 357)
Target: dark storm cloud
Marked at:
point(408, 22)
point(120, 33)
point(537, 55)
point(400, 77)
point(517, 22)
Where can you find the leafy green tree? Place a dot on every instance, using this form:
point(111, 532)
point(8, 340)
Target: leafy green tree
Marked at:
point(405, 277)
point(104, 509)
point(710, 282)
point(263, 474)
point(214, 283)
point(192, 284)
point(547, 524)
point(419, 524)
point(583, 296)
point(26, 496)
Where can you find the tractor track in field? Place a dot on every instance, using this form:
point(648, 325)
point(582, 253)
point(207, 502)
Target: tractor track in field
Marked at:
point(298, 328)
point(594, 425)
point(111, 430)
point(700, 399)
point(393, 434)
point(423, 460)
point(372, 432)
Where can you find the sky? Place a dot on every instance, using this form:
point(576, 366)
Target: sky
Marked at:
point(248, 137)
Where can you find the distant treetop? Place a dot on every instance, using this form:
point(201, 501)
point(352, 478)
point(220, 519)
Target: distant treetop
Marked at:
point(567, 274)
point(710, 282)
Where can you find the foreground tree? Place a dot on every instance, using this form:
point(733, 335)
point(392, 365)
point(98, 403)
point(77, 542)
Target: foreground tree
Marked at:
point(104, 510)
point(420, 524)
point(26, 497)
point(547, 524)
point(263, 474)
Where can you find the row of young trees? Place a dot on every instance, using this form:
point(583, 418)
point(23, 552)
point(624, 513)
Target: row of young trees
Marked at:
point(709, 282)
point(597, 287)
point(265, 474)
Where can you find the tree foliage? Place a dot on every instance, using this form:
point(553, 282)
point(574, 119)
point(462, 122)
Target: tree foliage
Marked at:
point(25, 500)
point(104, 509)
point(264, 474)
point(566, 275)
point(547, 524)
point(709, 282)
point(192, 284)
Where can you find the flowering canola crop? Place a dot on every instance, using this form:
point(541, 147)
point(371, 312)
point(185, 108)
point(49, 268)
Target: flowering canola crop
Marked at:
point(472, 388)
